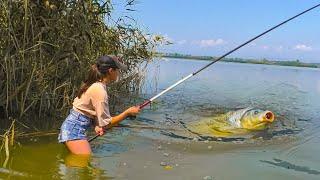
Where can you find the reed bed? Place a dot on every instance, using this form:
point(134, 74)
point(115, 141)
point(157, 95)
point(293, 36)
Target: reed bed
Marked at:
point(46, 47)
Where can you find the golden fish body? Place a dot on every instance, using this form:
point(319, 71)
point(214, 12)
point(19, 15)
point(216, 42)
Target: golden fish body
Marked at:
point(234, 122)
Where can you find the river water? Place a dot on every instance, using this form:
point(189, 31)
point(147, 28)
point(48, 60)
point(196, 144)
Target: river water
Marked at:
point(156, 145)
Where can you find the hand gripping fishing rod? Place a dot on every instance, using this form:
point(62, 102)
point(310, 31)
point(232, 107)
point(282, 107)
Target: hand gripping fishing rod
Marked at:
point(216, 60)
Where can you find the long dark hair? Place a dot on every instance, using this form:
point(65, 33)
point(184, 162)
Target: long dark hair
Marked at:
point(99, 70)
point(94, 76)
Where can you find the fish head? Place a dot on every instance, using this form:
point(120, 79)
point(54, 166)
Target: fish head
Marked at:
point(257, 119)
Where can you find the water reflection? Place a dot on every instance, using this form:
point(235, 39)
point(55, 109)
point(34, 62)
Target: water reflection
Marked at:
point(73, 160)
point(44, 158)
point(80, 166)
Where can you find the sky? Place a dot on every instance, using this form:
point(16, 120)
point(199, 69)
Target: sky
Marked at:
point(214, 27)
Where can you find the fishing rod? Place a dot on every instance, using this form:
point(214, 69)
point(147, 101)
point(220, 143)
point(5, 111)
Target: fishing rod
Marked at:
point(145, 103)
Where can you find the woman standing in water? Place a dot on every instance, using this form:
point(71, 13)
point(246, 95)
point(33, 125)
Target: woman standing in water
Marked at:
point(91, 106)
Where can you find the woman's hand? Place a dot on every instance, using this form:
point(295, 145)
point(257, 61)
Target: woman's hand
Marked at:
point(133, 111)
point(99, 130)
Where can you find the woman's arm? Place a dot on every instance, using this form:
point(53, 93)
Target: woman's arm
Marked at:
point(132, 111)
point(118, 118)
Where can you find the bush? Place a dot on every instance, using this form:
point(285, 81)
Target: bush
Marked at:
point(46, 48)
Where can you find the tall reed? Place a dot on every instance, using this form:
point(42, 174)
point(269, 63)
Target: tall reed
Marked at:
point(46, 48)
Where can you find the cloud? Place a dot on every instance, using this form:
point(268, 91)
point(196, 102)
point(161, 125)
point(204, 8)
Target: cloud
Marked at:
point(265, 47)
point(279, 48)
point(181, 42)
point(302, 47)
point(210, 42)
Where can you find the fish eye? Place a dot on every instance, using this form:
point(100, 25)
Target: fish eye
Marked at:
point(255, 112)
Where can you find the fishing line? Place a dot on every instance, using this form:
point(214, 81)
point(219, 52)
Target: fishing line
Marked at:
point(218, 59)
point(176, 120)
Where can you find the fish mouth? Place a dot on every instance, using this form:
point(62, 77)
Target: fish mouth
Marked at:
point(268, 116)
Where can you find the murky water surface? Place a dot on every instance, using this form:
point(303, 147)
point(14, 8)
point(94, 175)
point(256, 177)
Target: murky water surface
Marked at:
point(157, 145)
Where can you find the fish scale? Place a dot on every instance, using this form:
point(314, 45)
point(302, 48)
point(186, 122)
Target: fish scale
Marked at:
point(235, 117)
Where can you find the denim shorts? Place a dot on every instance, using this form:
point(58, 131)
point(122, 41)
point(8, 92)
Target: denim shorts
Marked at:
point(74, 127)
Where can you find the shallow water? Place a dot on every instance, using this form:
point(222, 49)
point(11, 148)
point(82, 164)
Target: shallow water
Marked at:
point(157, 145)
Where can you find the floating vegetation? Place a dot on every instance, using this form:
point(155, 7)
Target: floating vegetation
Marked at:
point(47, 46)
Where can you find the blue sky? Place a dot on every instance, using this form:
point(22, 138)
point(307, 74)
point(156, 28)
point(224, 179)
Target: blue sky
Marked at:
point(212, 27)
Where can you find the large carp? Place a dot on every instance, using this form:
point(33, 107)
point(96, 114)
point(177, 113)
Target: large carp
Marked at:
point(234, 122)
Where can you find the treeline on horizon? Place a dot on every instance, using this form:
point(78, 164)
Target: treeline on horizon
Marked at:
point(296, 63)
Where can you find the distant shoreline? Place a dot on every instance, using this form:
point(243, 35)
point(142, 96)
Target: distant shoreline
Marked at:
point(295, 63)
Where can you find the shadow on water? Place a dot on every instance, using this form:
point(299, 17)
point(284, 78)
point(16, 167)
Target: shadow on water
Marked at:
point(288, 165)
